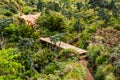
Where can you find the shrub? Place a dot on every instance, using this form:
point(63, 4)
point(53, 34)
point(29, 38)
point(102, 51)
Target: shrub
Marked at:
point(68, 54)
point(115, 60)
point(42, 58)
point(99, 74)
point(84, 37)
point(15, 32)
point(110, 76)
point(115, 22)
point(7, 13)
point(10, 68)
point(95, 52)
point(45, 77)
point(103, 71)
point(53, 6)
point(26, 10)
point(50, 68)
point(74, 71)
point(101, 59)
point(53, 21)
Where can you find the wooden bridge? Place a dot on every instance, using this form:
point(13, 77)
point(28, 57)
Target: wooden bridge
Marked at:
point(63, 45)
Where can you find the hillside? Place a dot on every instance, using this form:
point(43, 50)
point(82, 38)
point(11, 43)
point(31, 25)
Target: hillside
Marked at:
point(59, 40)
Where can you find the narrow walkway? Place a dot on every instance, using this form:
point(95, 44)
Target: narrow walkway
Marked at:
point(88, 73)
point(63, 45)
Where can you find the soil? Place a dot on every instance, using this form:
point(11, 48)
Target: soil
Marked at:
point(30, 19)
point(107, 37)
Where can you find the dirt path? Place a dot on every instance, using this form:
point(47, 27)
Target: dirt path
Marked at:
point(30, 19)
point(88, 73)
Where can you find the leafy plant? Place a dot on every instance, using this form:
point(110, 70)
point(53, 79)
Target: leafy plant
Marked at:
point(84, 37)
point(56, 38)
point(10, 68)
point(7, 13)
point(26, 9)
point(50, 68)
point(24, 45)
point(101, 59)
point(53, 21)
point(73, 70)
point(68, 54)
point(104, 71)
point(16, 32)
point(42, 58)
point(3, 23)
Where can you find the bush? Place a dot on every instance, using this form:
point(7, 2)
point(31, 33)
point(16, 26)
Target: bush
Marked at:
point(53, 21)
point(15, 32)
point(50, 68)
point(7, 13)
point(101, 59)
point(115, 60)
point(10, 68)
point(84, 37)
point(45, 77)
point(74, 71)
point(103, 71)
point(68, 54)
point(99, 74)
point(53, 6)
point(26, 10)
point(115, 22)
point(42, 58)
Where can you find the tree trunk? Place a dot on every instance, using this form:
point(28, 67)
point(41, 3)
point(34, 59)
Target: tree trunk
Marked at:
point(2, 41)
point(31, 62)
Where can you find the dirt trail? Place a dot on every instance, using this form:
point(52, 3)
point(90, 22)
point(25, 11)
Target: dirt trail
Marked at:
point(88, 74)
point(30, 19)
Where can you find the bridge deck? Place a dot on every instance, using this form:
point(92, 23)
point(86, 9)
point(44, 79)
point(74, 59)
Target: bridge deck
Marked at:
point(64, 45)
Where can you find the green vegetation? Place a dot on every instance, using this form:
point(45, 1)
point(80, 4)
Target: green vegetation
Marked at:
point(93, 25)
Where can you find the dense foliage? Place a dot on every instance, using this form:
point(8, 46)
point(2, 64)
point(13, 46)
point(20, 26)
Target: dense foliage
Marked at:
point(93, 25)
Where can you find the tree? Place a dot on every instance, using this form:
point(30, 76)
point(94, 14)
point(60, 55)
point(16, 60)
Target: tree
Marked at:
point(95, 3)
point(3, 23)
point(57, 38)
point(79, 5)
point(24, 45)
point(40, 5)
point(103, 15)
point(78, 26)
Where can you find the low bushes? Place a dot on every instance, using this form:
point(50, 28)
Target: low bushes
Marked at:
point(10, 68)
point(52, 21)
point(21, 31)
